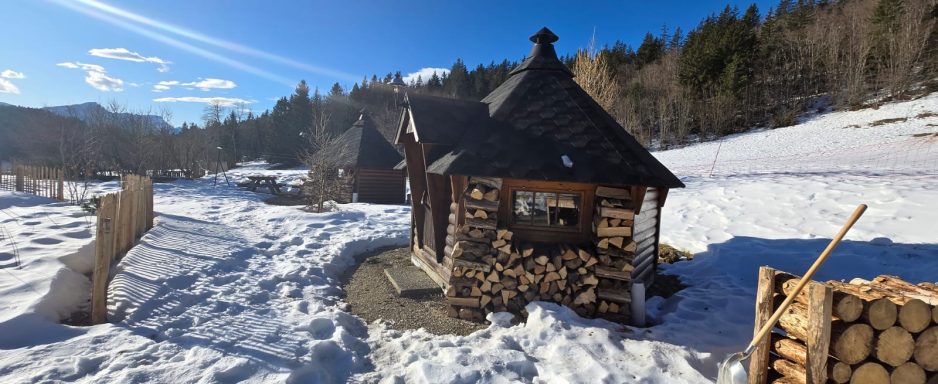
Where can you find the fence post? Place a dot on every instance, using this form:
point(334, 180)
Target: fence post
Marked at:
point(820, 306)
point(102, 260)
point(61, 178)
point(759, 362)
point(19, 178)
point(149, 195)
point(124, 224)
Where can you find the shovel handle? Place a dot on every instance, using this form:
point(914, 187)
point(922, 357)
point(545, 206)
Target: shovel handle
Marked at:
point(806, 278)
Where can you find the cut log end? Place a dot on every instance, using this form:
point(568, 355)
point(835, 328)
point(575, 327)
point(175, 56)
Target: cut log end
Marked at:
point(870, 373)
point(894, 346)
point(915, 316)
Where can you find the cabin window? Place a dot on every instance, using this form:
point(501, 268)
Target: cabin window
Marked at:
point(557, 210)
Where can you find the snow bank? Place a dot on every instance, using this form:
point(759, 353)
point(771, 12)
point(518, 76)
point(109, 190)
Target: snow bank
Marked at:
point(554, 345)
point(54, 244)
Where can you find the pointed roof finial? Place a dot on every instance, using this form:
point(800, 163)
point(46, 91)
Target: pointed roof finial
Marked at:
point(398, 81)
point(544, 36)
point(542, 56)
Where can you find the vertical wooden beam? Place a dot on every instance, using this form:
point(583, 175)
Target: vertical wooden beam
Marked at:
point(102, 260)
point(149, 195)
point(820, 305)
point(61, 178)
point(759, 362)
point(115, 227)
point(124, 229)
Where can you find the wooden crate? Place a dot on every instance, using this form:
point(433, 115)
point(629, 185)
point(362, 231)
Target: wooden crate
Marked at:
point(819, 299)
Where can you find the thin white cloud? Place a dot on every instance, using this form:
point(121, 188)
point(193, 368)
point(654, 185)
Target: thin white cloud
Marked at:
point(7, 86)
point(11, 74)
point(207, 84)
point(425, 74)
point(128, 55)
point(203, 84)
point(223, 101)
point(164, 85)
point(96, 76)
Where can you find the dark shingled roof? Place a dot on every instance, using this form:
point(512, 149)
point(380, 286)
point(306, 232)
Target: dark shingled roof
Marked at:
point(442, 120)
point(363, 146)
point(533, 119)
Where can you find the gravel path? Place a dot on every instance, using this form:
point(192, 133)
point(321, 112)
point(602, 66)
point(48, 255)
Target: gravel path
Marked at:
point(371, 297)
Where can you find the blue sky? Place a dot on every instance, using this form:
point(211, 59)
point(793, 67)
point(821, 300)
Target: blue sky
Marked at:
point(58, 52)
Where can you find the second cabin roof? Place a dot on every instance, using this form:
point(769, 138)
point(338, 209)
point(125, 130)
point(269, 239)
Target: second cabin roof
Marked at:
point(364, 147)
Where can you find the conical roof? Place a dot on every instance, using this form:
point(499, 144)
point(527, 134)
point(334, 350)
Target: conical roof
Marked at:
point(363, 146)
point(541, 115)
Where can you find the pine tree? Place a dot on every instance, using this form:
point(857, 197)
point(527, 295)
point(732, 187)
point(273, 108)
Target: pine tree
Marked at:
point(652, 49)
point(456, 84)
point(435, 84)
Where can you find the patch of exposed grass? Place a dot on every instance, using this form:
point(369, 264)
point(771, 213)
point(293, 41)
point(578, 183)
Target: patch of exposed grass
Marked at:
point(888, 121)
point(669, 254)
point(926, 114)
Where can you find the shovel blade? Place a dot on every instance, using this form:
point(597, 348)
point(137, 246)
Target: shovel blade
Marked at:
point(732, 371)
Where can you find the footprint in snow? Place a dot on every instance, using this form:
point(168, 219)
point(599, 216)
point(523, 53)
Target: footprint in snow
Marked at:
point(46, 241)
point(320, 328)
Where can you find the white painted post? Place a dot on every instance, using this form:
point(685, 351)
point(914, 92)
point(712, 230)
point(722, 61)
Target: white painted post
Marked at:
point(638, 304)
point(354, 197)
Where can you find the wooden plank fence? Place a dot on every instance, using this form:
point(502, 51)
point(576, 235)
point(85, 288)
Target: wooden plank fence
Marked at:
point(38, 180)
point(123, 217)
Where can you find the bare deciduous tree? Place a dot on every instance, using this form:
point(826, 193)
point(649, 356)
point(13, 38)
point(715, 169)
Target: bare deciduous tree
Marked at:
point(326, 181)
point(902, 44)
point(595, 76)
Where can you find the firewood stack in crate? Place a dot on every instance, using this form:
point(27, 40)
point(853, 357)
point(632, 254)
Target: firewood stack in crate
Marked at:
point(879, 331)
point(613, 220)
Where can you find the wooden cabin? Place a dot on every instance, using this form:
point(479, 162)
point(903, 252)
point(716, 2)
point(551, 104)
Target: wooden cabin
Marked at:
point(368, 159)
point(534, 193)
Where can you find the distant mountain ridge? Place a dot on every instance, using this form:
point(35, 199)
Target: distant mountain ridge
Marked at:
point(86, 111)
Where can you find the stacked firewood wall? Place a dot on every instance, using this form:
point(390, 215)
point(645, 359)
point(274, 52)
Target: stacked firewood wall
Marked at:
point(613, 219)
point(879, 331)
point(494, 272)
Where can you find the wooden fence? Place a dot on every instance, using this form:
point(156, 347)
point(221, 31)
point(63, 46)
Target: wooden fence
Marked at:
point(42, 181)
point(123, 217)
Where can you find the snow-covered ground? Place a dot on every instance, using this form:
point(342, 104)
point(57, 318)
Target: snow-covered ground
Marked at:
point(228, 289)
point(292, 177)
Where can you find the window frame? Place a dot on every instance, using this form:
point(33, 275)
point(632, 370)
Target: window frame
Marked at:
point(548, 234)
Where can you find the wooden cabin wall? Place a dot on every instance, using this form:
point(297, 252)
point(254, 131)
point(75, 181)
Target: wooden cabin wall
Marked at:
point(647, 223)
point(416, 170)
point(440, 199)
point(380, 186)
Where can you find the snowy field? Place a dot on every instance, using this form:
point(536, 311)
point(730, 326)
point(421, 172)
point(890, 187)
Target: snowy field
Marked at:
point(228, 289)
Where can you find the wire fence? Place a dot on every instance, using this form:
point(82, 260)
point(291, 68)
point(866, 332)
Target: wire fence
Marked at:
point(913, 156)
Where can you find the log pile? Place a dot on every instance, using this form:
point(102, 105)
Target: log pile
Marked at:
point(613, 219)
point(879, 331)
point(493, 271)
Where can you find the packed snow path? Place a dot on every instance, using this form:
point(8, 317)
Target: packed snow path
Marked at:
point(223, 289)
